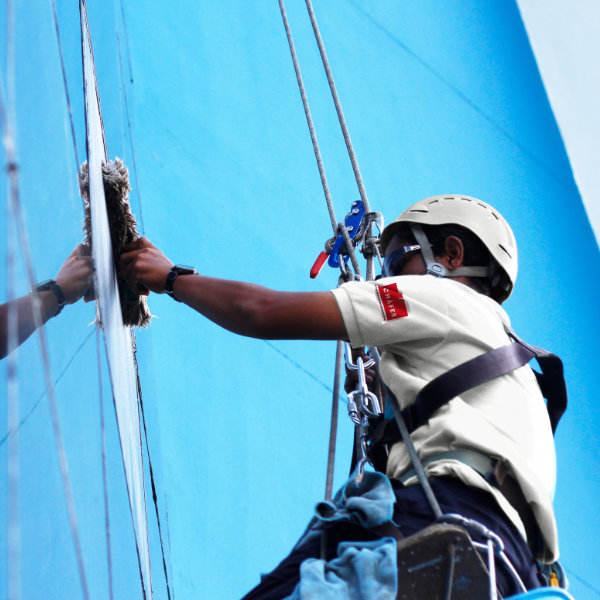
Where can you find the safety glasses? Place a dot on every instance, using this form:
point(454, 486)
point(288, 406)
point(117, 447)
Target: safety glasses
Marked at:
point(393, 263)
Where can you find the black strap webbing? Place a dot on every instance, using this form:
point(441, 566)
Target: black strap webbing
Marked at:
point(482, 369)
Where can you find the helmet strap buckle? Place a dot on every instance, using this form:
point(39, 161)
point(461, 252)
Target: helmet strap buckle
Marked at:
point(436, 269)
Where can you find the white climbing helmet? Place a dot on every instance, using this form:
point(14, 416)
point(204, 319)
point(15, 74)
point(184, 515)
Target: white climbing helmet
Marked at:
point(473, 214)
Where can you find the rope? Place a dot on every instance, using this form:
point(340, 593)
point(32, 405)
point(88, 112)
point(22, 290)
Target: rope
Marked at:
point(412, 452)
point(335, 405)
point(130, 134)
point(13, 532)
point(311, 127)
point(65, 84)
point(15, 429)
point(338, 107)
point(152, 480)
point(7, 116)
point(125, 31)
point(350, 248)
point(338, 228)
point(104, 470)
point(12, 384)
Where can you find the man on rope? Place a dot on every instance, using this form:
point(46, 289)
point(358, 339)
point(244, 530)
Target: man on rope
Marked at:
point(73, 280)
point(450, 261)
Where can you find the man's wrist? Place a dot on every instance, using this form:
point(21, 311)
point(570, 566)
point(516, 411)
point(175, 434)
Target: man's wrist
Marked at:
point(51, 286)
point(174, 273)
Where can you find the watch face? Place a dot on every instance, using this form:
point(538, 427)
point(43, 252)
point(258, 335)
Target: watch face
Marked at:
point(44, 286)
point(184, 270)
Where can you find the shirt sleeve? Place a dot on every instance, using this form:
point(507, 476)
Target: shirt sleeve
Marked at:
point(392, 312)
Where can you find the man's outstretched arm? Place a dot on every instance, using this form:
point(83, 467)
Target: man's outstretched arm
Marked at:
point(243, 308)
point(74, 279)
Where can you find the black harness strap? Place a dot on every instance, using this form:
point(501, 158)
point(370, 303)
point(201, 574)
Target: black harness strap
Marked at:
point(476, 371)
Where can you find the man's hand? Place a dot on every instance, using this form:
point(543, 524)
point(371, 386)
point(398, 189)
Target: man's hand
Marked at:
point(143, 263)
point(75, 276)
point(243, 308)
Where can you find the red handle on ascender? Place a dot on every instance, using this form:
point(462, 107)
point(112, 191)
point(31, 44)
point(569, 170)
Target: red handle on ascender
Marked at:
point(316, 268)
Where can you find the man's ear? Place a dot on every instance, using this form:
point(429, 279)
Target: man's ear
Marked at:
point(454, 252)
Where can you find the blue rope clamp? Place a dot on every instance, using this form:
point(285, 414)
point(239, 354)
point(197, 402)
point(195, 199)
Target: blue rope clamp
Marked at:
point(353, 222)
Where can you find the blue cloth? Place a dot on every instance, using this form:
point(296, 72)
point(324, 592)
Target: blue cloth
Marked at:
point(411, 514)
point(362, 571)
point(368, 503)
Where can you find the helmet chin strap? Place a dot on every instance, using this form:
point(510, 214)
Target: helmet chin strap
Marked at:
point(437, 269)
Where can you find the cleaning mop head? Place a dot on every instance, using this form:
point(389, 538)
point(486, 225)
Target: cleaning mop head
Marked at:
point(123, 230)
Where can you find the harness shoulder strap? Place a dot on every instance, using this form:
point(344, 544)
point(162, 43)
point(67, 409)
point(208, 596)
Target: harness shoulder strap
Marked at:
point(482, 369)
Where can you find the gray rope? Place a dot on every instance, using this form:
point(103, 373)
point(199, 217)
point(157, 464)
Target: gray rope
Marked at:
point(104, 469)
point(350, 248)
point(414, 457)
point(13, 530)
point(338, 228)
point(311, 127)
point(15, 202)
point(335, 404)
point(338, 107)
point(65, 84)
point(125, 102)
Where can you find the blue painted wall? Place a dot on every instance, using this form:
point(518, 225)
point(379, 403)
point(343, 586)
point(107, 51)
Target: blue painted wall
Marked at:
point(438, 99)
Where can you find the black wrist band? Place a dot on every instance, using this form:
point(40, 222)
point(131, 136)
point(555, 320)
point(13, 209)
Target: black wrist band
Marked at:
point(51, 285)
point(171, 277)
point(175, 271)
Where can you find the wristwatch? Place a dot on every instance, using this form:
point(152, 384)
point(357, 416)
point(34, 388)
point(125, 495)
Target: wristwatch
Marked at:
point(174, 273)
point(52, 286)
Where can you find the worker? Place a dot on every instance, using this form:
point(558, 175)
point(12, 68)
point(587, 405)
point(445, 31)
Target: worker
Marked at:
point(450, 261)
point(73, 280)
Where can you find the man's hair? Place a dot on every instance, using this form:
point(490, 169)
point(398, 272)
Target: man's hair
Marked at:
point(476, 254)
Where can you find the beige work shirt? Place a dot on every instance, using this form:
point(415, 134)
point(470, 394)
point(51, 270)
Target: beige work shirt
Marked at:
point(425, 326)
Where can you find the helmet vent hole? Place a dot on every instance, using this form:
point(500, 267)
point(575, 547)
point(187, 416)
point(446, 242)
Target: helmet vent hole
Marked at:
point(505, 250)
point(420, 210)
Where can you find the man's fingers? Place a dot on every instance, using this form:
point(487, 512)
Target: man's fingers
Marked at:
point(138, 244)
point(132, 280)
point(131, 255)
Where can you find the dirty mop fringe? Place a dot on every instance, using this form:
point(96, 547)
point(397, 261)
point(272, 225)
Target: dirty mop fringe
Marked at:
point(123, 230)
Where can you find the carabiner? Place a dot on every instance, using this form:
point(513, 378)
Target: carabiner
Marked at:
point(350, 364)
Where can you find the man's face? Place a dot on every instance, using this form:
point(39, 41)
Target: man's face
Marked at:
point(414, 263)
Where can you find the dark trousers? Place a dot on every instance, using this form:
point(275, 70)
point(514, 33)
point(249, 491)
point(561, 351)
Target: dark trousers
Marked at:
point(411, 514)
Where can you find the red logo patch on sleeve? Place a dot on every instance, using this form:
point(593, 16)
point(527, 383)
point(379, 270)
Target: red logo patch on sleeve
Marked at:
point(392, 302)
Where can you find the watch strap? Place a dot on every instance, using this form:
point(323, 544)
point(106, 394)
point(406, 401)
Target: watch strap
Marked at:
point(175, 271)
point(52, 286)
